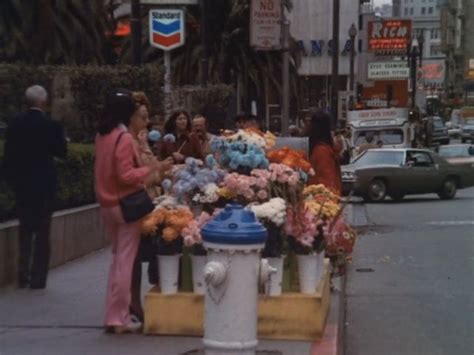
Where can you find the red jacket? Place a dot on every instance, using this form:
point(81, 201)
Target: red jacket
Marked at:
point(324, 161)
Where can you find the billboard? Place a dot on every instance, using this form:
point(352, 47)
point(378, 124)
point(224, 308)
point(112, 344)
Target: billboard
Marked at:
point(166, 29)
point(265, 24)
point(389, 36)
point(433, 71)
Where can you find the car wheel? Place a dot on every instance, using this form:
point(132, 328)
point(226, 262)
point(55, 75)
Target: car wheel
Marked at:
point(397, 197)
point(448, 190)
point(377, 191)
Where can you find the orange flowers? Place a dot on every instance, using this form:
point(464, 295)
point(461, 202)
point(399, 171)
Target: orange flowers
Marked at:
point(295, 159)
point(171, 220)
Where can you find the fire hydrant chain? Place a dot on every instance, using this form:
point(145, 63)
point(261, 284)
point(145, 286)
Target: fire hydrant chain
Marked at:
point(218, 299)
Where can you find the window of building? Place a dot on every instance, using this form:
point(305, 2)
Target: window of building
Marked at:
point(406, 11)
point(411, 11)
point(423, 10)
point(430, 10)
point(434, 33)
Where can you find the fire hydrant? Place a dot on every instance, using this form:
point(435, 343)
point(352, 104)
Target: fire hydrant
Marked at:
point(233, 241)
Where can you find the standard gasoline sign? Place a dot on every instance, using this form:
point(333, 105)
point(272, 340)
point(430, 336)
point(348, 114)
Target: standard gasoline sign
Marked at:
point(166, 29)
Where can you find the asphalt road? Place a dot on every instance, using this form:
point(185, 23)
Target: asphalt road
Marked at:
point(410, 287)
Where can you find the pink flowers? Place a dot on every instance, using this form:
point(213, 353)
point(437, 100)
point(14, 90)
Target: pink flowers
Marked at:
point(302, 225)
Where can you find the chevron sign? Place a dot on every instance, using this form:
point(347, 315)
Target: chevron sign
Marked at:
point(166, 29)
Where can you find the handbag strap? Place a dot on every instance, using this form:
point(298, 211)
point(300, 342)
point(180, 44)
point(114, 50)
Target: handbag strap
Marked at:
point(115, 163)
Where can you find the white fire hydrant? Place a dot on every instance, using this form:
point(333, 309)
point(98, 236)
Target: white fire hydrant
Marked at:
point(233, 241)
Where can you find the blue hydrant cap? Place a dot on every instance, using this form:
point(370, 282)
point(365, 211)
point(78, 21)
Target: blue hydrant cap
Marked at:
point(235, 226)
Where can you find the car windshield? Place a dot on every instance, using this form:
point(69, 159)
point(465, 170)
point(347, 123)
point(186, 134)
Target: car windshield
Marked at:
point(387, 136)
point(380, 157)
point(469, 121)
point(454, 151)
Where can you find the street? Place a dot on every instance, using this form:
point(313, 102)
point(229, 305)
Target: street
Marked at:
point(410, 286)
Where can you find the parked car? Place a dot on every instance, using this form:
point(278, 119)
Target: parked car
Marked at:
point(454, 131)
point(467, 130)
point(440, 132)
point(458, 154)
point(398, 172)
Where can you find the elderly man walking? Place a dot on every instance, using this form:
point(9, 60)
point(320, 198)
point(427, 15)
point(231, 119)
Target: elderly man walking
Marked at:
point(32, 140)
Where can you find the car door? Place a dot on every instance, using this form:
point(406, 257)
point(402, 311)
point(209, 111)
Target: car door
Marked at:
point(424, 172)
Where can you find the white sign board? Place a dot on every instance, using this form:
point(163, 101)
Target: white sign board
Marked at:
point(265, 24)
point(169, 2)
point(388, 70)
point(377, 114)
point(167, 28)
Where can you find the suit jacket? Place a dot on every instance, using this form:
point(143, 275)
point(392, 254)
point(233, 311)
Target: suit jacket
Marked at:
point(32, 141)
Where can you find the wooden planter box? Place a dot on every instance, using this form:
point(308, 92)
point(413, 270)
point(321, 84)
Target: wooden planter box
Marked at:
point(291, 316)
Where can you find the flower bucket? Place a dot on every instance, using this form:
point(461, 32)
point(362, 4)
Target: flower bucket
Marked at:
point(307, 266)
point(320, 267)
point(169, 269)
point(274, 284)
point(198, 264)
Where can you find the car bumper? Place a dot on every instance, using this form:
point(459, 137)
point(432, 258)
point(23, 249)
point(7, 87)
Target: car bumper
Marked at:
point(353, 186)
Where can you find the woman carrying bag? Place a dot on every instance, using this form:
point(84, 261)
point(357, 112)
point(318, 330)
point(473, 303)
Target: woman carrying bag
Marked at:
point(119, 186)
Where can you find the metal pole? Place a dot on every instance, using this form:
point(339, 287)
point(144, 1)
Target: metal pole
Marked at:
point(204, 43)
point(335, 61)
point(167, 87)
point(413, 55)
point(351, 69)
point(285, 75)
point(136, 27)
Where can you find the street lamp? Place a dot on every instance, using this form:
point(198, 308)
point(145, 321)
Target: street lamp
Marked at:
point(352, 35)
point(415, 51)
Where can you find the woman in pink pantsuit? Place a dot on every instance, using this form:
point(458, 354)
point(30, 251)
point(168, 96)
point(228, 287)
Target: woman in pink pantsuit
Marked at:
point(117, 175)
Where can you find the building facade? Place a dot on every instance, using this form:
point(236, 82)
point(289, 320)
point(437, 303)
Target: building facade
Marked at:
point(311, 27)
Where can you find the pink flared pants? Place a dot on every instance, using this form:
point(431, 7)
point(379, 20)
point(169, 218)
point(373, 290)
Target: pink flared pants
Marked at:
point(125, 238)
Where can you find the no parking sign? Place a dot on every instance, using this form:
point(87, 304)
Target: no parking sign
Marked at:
point(167, 29)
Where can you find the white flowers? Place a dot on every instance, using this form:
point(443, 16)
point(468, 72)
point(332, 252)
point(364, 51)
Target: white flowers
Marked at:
point(273, 211)
point(209, 195)
point(250, 138)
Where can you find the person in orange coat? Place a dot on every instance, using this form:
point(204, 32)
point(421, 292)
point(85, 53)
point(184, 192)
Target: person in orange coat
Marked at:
point(324, 158)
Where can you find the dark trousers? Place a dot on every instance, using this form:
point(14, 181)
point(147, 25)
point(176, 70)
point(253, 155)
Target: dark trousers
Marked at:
point(34, 213)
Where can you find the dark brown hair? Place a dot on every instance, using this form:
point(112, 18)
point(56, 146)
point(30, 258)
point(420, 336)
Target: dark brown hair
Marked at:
point(119, 108)
point(170, 125)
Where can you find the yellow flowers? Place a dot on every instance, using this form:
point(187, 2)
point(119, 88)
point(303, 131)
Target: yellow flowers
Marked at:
point(226, 193)
point(320, 201)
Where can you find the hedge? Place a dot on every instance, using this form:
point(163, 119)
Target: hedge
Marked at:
point(75, 181)
point(77, 93)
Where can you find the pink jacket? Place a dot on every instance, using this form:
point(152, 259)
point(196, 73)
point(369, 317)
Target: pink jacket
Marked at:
point(116, 174)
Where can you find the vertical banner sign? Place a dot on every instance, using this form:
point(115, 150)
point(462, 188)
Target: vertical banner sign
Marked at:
point(166, 29)
point(265, 24)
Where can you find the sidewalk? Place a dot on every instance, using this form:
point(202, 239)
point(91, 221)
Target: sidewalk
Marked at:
point(66, 318)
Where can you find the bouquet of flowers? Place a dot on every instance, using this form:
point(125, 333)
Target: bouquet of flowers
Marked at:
point(241, 151)
point(305, 229)
point(340, 239)
point(197, 183)
point(272, 214)
point(192, 232)
point(294, 159)
point(244, 188)
point(167, 222)
point(322, 202)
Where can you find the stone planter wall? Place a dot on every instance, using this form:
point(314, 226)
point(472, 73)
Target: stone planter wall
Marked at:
point(74, 233)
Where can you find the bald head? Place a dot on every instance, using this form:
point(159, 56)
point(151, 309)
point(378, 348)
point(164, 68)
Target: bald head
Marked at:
point(36, 96)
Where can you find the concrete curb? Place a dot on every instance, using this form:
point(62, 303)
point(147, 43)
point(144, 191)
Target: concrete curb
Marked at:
point(332, 342)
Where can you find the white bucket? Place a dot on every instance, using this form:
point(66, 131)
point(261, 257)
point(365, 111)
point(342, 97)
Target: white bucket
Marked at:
point(169, 269)
point(307, 266)
point(274, 284)
point(198, 263)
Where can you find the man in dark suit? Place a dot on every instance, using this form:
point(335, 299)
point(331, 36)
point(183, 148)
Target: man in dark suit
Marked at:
point(32, 141)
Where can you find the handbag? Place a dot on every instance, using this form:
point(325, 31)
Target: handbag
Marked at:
point(137, 204)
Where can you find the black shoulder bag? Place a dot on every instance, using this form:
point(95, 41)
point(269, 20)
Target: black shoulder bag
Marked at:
point(137, 204)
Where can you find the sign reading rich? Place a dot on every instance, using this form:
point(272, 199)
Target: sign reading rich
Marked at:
point(389, 36)
point(265, 24)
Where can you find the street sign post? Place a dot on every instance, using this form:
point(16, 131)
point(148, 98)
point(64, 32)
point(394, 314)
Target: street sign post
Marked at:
point(265, 24)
